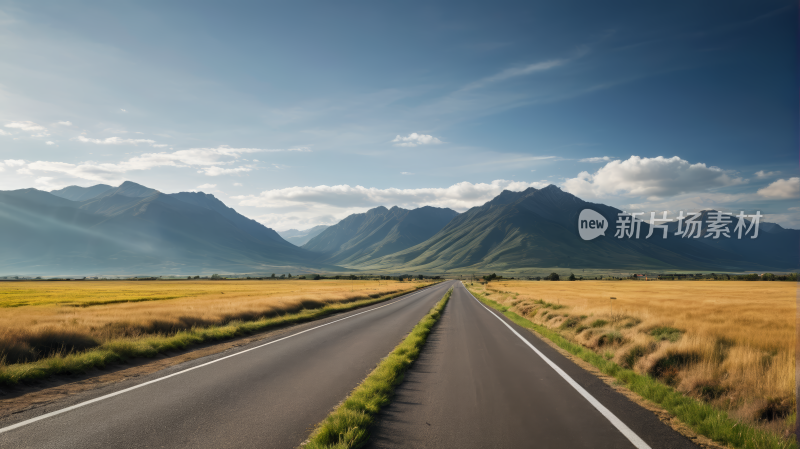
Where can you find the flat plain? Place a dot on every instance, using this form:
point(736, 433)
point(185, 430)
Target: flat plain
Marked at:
point(42, 319)
point(729, 343)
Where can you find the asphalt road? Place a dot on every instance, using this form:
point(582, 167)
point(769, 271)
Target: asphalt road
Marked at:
point(269, 395)
point(477, 384)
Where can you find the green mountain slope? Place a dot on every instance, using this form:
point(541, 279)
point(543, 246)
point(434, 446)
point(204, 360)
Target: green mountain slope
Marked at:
point(378, 232)
point(538, 228)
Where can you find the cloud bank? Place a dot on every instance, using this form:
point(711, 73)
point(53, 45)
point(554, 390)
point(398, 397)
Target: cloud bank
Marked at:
point(299, 207)
point(653, 178)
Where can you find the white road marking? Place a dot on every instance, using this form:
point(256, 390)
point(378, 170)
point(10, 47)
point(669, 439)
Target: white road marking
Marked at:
point(117, 393)
point(616, 422)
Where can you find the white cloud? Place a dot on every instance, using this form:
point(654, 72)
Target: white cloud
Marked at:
point(4, 133)
point(414, 139)
point(237, 184)
point(406, 173)
point(116, 141)
point(50, 142)
point(123, 110)
point(14, 162)
point(766, 174)
point(303, 207)
point(216, 171)
point(596, 159)
point(24, 171)
point(649, 177)
point(782, 189)
point(208, 159)
point(788, 220)
point(64, 123)
point(459, 196)
point(26, 126)
point(206, 186)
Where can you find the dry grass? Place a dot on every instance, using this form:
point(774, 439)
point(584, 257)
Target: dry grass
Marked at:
point(730, 344)
point(46, 318)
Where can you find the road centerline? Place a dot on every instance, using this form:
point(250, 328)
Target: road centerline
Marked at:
point(135, 387)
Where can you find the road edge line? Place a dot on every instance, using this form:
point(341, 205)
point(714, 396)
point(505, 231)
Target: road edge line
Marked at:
point(616, 422)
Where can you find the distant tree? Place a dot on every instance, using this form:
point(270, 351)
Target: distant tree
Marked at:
point(552, 277)
point(216, 276)
point(420, 277)
point(289, 275)
point(273, 276)
point(572, 276)
point(767, 277)
point(283, 276)
point(315, 277)
point(490, 277)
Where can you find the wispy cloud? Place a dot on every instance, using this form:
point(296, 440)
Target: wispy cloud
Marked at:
point(217, 171)
point(596, 159)
point(118, 141)
point(761, 174)
point(515, 72)
point(208, 160)
point(26, 126)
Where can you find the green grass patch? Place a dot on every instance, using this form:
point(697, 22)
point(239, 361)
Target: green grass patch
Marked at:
point(348, 425)
point(701, 417)
point(121, 349)
point(666, 333)
point(548, 305)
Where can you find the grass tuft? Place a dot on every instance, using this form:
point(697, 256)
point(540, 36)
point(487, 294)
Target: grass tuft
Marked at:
point(347, 425)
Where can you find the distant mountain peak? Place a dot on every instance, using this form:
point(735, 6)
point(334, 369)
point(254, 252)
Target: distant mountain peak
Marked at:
point(133, 190)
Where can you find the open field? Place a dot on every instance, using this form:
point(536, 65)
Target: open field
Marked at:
point(730, 344)
point(40, 319)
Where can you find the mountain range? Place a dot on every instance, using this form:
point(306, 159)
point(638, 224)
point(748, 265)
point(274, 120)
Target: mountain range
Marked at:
point(539, 228)
point(135, 230)
point(360, 238)
point(132, 229)
point(299, 238)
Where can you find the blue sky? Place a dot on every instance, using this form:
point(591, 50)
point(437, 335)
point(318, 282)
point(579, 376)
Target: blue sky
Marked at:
point(300, 113)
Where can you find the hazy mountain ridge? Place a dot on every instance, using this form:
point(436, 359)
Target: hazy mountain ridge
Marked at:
point(300, 238)
point(76, 193)
point(146, 232)
point(378, 232)
point(132, 229)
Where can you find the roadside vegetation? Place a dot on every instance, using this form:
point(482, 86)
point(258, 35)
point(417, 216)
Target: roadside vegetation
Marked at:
point(348, 425)
point(719, 356)
point(70, 327)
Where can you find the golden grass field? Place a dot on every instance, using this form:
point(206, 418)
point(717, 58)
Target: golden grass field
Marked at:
point(38, 319)
point(729, 343)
